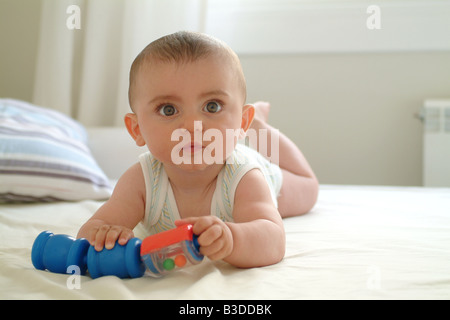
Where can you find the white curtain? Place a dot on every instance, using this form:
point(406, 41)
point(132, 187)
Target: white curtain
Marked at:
point(84, 72)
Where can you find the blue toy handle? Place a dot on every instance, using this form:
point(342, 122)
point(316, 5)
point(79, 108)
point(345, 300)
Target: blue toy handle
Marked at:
point(121, 261)
point(57, 252)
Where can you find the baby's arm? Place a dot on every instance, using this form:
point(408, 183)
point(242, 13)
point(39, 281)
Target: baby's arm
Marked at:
point(116, 219)
point(258, 231)
point(255, 238)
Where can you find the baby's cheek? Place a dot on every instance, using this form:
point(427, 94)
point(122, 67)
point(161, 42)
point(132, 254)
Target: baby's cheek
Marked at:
point(161, 151)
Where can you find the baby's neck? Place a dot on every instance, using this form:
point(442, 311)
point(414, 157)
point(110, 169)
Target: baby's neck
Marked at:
point(193, 191)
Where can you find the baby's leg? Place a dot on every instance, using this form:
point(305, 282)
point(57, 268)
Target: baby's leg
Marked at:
point(300, 186)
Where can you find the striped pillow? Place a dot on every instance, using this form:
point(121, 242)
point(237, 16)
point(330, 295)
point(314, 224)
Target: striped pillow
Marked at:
point(44, 157)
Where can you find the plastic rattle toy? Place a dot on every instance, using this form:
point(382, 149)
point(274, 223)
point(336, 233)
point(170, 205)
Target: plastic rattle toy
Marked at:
point(161, 253)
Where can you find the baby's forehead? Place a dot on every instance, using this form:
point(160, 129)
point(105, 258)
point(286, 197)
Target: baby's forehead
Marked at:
point(224, 59)
point(145, 68)
point(148, 68)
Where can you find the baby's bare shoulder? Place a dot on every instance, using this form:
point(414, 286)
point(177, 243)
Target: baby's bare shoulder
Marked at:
point(126, 205)
point(253, 199)
point(253, 184)
point(131, 185)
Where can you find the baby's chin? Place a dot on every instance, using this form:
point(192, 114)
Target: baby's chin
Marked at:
point(198, 162)
point(191, 168)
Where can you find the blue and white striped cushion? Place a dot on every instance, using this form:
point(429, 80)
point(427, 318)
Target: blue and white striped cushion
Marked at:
point(44, 157)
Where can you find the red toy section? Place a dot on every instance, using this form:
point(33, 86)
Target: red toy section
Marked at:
point(166, 238)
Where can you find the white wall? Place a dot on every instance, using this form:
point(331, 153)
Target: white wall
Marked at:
point(353, 115)
point(330, 26)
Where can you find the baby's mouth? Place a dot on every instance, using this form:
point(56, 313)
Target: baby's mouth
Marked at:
point(193, 147)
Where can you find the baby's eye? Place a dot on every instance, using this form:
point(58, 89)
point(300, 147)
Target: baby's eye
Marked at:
point(213, 107)
point(167, 110)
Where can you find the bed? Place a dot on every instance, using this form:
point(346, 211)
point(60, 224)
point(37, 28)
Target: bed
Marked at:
point(358, 242)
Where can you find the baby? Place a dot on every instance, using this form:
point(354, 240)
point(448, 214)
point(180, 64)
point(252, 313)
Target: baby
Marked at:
point(187, 93)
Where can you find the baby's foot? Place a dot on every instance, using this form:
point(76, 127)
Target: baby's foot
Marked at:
point(262, 109)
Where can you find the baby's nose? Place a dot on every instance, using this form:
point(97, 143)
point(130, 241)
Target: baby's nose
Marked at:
point(193, 125)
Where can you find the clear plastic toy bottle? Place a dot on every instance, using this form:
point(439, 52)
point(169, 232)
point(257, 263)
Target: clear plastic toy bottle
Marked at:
point(170, 250)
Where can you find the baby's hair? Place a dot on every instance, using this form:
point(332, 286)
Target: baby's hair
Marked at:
point(182, 47)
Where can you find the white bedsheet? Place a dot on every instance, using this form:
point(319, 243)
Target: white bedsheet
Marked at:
point(358, 242)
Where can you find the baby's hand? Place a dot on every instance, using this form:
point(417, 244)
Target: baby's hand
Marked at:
point(215, 237)
point(107, 235)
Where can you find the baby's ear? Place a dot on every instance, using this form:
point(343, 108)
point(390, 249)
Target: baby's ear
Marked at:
point(131, 122)
point(248, 113)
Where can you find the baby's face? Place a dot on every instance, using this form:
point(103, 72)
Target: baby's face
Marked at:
point(179, 105)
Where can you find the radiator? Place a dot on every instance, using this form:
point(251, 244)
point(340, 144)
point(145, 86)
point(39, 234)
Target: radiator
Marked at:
point(436, 143)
